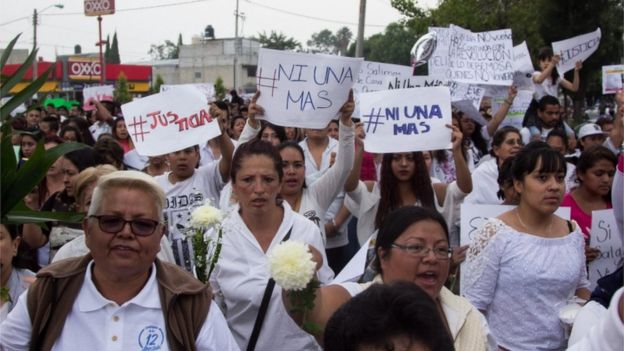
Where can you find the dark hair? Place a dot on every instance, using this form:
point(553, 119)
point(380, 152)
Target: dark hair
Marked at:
point(279, 130)
point(546, 53)
point(293, 145)
point(114, 131)
point(602, 121)
point(256, 147)
point(23, 258)
point(590, 157)
point(547, 100)
point(233, 120)
point(500, 136)
point(108, 151)
point(476, 136)
point(83, 126)
point(52, 122)
point(82, 158)
point(53, 139)
point(504, 176)
point(558, 133)
point(70, 128)
point(536, 152)
point(382, 312)
point(398, 221)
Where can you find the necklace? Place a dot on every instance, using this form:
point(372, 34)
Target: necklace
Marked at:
point(549, 231)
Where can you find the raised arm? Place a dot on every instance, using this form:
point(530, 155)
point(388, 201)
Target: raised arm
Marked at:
point(574, 86)
point(226, 146)
point(502, 111)
point(252, 127)
point(539, 79)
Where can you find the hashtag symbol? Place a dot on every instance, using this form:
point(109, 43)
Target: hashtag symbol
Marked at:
point(138, 128)
point(262, 83)
point(373, 120)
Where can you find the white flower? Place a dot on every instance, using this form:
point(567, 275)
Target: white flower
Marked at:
point(205, 216)
point(291, 265)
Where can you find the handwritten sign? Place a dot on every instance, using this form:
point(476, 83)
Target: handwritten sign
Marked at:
point(439, 61)
point(473, 217)
point(604, 237)
point(99, 93)
point(304, 90)
point(523, 67)
point(407, 81)
point(206, 88)
point(579, 48)
point(517, 110)
point(373, 75)
point(405, 120)
point(169, 121)
point(612, 79)
point(479, 58)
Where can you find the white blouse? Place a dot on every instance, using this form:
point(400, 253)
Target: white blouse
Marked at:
point(519, 279)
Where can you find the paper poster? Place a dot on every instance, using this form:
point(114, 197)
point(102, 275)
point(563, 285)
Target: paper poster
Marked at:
point(170, 121)
point(372, 77)
point(515, 116)
point(206, 88)
point(99, 93)
point(404, 120)
point(304, 90)
point(612, 79)
point(356, 266)
point(523, 67)
point(604, 237)
point(579, 48)
point(410, 81)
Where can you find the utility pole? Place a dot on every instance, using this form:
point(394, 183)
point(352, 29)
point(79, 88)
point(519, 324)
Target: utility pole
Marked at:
point(236, 14)
point(359, 42)
point(35, 69)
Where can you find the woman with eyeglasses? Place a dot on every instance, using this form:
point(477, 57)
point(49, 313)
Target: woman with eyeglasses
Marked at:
point(412, 246)
point(528, 261)
point(506, 143)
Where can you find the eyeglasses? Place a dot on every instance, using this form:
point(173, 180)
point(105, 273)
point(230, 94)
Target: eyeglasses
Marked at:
point(114, 224)
point(441, 253)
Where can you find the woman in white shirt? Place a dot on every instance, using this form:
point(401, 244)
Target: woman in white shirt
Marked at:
point(254, 227)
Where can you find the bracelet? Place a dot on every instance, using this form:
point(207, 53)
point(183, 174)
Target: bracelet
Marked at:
point(333, 222)
point(509, 102)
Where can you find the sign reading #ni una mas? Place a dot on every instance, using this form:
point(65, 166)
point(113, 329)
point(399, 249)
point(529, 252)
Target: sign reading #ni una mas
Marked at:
point(304, 90)
point(170, 121)
point(404, 120)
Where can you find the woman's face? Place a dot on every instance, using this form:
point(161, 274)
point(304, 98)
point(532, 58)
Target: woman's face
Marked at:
point(8, 249)
point(237, 129)
point(403, 166)
point(510, 146)
point(544, 63)
point(332, 130)
point(294, 170)
point(541, 191)
point(557, 143)
point(57, 166)
point(599, 178)
point(467, 125)
point(70, 171)
point(70, 136)
point(121, 131)
point(28, 145)
point(257, 185)
point(426, 269)
point(268, 134)
point(291, 133)
point(428, 160)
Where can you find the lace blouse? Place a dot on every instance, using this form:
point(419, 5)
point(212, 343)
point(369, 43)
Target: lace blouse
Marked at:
point(519, 279)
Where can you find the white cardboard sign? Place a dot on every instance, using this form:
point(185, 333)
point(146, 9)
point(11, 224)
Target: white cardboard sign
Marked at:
point(604, 237)
point(523, 67)
point(405, 120)
point(206, 88)
point(579, 48)
point(169, 121)
point(98, 93)
point(304, 90)
point(517, 110)
point(612, 79)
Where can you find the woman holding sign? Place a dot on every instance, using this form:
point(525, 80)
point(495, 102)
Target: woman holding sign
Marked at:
point(524, 263)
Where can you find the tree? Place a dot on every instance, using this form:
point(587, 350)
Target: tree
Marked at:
point(391, 46)
point(327, 42)
point(165, 51)
point(277, 41)
point(342, 39)
point(114, 51)
point(159, 81)
point(107, 49)
point(122, 92)
point(220, 90)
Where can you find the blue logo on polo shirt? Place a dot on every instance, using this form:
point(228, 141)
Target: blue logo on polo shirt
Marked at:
point(151, 338)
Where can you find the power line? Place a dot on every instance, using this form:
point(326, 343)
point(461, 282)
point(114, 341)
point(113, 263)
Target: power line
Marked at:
point(134, 8)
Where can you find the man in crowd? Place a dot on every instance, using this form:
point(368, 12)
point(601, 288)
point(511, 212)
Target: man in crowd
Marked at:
point(33, 117)
point(120, 295)
point(548, 118)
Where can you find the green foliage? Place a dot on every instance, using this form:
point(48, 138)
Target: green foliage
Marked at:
point(17, 183)
point(122, 93)
point(220, 90)
point(159, 81)
point(166, 51)
point(392, 46)
point(327, 42)
point(277, 41)
point(114, 51)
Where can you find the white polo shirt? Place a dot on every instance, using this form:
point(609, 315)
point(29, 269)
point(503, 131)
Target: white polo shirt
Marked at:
point(97, 323)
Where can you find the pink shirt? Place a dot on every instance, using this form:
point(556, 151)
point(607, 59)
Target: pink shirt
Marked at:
point(576, 213)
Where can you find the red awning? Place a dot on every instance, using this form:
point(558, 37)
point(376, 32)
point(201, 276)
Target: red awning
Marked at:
point(42, 66)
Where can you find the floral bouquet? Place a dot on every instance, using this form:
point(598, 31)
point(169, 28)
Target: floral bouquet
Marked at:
point(292, 267)
point(206, 249)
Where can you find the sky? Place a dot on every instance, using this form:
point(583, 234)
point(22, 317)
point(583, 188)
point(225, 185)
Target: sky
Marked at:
point(140, 23)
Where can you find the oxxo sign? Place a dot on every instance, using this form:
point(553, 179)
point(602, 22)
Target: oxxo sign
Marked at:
point(84, 70)
point(99, 7)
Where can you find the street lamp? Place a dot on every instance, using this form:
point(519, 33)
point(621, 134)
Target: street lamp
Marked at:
point(35, 22)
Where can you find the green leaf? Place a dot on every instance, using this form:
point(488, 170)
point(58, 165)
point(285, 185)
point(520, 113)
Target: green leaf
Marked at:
point(8, 162)
point(24, 95)
point(18, 76)
point(32, 173)
point(8, 50)
point(29, 216)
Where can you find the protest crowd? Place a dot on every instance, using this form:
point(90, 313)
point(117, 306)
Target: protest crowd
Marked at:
point(432, 219)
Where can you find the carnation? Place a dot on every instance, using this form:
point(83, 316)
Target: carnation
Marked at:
point(291, 265)
point(205, 216)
